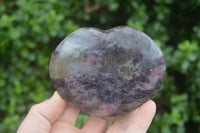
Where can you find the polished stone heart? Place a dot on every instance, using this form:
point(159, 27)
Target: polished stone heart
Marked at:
point(107, 73)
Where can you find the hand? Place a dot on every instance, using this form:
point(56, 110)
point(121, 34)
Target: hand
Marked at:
point(56, 116)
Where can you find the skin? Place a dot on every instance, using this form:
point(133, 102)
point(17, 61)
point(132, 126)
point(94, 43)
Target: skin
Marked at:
point(57, 116)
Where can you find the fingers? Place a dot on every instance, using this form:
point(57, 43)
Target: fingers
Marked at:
point(142, 119)
point(42, 115)
point(64, 128)
point(120, 125)
point(66, 123)
point(69, 116)
point(95, 125)
point(137, 121)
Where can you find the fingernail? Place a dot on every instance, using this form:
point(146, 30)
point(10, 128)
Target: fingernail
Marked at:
point(56, 95)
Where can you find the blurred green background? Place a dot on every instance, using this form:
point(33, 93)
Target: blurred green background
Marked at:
point(31, 29)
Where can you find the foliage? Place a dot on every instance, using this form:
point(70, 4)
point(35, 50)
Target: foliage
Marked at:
point(30, 30)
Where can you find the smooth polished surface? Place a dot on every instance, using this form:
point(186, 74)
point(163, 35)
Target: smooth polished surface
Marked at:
point(107, 73)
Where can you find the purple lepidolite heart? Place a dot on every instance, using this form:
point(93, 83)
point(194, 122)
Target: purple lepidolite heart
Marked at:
point(107, 73)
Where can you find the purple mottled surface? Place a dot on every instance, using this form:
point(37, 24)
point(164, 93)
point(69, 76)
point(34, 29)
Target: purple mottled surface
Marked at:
point(107, 73)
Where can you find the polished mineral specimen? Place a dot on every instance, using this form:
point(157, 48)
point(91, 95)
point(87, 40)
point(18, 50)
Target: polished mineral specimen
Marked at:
point(107, 73)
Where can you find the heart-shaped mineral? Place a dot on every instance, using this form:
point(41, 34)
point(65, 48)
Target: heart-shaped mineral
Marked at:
point(107, 73)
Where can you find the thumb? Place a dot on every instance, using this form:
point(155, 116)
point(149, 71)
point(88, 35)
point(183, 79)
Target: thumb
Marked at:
point(42, 115)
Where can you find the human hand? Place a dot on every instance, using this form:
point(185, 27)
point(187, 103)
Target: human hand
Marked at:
point(57, 116)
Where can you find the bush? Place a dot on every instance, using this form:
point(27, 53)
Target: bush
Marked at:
point(30, 30)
